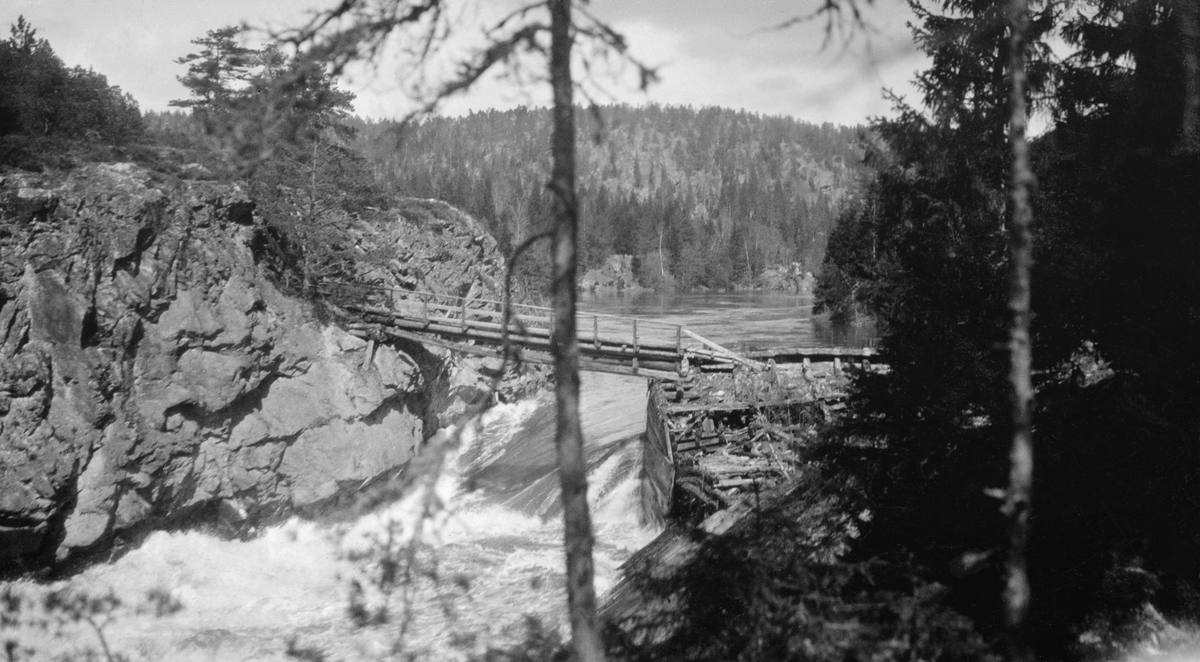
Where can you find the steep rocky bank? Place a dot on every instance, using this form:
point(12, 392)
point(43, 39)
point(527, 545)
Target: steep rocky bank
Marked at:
point(150, 373)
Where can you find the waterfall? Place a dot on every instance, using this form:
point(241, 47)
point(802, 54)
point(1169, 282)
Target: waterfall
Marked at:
point(491, 555)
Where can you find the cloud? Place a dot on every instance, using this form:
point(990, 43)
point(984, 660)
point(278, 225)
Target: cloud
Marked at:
point(712, 52)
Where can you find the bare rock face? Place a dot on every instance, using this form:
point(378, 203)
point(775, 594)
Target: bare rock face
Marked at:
point(149, 373)
point(430, 246)
point(615, 275)
point(786, 278)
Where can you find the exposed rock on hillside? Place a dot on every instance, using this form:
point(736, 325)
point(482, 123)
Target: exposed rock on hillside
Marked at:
point(432, 247)
point(790, 278)
point(616, 274)
point(149, 372)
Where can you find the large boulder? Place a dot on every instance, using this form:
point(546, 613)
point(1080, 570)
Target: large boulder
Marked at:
point(150, 373)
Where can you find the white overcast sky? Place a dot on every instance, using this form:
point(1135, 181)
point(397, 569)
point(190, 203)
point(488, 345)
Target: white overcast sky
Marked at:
point(711, 52)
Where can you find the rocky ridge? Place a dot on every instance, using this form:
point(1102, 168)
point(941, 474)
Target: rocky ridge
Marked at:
point(150, 372)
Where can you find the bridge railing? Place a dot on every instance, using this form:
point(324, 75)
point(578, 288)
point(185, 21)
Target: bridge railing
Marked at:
point(483, 313)
point(603, 337)
point(432, 305)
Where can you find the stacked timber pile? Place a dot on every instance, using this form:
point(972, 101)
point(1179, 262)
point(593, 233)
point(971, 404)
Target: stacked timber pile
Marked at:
point(736, 434)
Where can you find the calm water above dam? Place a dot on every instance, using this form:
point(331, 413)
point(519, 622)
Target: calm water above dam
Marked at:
point(737, 320)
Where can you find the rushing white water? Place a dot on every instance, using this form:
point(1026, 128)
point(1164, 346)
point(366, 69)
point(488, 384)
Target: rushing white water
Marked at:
point(492, 557)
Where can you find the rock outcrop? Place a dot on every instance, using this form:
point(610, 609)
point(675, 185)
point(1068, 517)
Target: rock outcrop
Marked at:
point(430, 246)
point(150, 373)
point(786, 278)
point(615, 275)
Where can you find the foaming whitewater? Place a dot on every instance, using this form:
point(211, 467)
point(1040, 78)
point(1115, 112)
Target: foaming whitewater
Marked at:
point(488, 569)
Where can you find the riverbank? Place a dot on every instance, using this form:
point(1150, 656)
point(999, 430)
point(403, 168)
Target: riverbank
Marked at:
point(621, 274)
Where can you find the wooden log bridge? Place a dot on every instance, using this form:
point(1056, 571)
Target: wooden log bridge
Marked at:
point(477, 326)
point(474, 325)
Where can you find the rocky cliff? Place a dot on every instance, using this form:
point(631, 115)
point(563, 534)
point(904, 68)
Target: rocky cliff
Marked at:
point(150, 372)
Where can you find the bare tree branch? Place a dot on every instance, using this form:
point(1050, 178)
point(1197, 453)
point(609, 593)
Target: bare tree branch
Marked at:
point(470, 72)
point(519, 13)
point(372, 23)
point(604, 34)
point(835, 20)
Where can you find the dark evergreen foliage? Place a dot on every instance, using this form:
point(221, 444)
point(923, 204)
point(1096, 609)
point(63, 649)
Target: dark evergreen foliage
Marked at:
point(1116, 316)
point(49, 112)
point(282, 124)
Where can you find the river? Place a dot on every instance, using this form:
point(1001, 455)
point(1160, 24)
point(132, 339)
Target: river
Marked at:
point(737, 320)
point(489, 566)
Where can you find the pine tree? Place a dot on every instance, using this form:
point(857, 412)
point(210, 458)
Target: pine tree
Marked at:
point(284, 123)
point(48, 110)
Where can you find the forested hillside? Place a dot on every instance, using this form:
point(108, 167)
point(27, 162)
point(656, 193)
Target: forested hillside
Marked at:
point(705, 197)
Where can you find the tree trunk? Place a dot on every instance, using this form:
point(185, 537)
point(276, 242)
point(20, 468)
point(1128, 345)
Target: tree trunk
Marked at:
point(1188, 18)
point(1020, 243)
point(572, 465)
point(662, 264)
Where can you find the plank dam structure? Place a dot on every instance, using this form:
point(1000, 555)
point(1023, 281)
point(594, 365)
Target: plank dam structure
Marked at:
point(719, 425)
point(715, 438)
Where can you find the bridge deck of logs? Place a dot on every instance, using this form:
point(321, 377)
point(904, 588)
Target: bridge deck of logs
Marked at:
point(607, 343)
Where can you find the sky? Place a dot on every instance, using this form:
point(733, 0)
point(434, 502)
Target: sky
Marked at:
point(709, 53)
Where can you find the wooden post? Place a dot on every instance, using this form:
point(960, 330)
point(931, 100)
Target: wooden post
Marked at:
point(596, 332)
point(464, 315)
point(635, 347)
point(805, 369)
point(679, 348)
point(720, 350)
point(370, 354)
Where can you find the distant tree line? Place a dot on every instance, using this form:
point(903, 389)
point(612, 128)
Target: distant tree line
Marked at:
point(705, 198)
